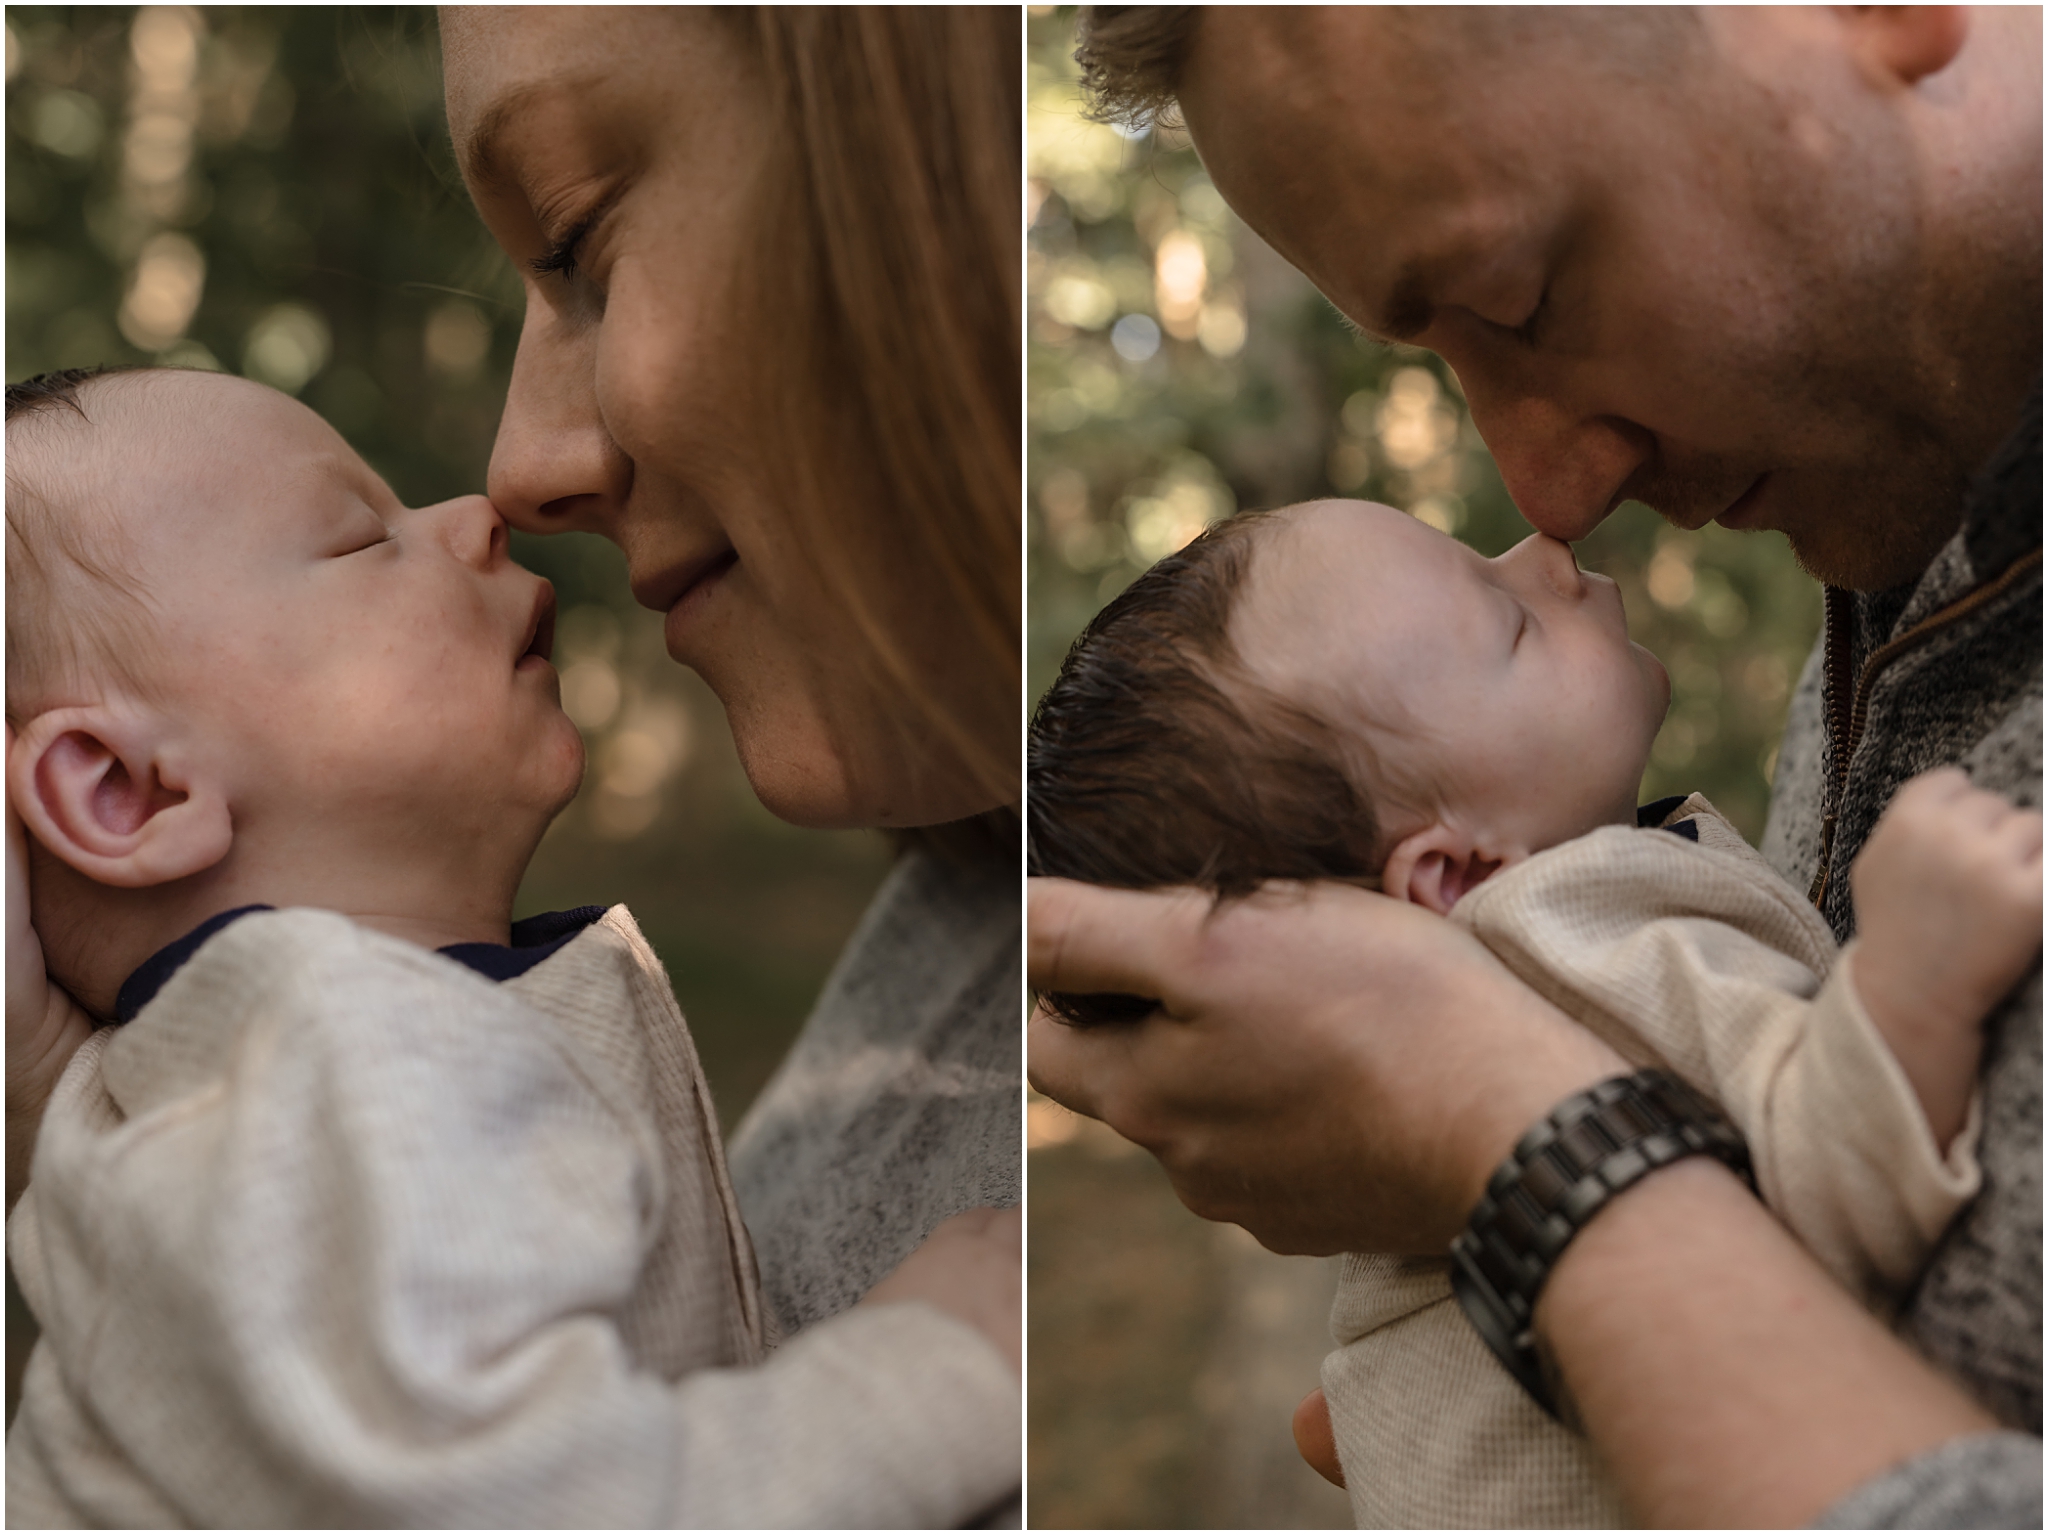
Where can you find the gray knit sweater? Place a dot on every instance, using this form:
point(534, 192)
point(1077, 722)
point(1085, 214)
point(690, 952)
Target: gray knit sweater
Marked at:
point(1947, 670)
point(902, 1101)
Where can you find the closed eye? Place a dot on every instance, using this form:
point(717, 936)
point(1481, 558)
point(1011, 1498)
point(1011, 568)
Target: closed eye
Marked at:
point(1530, 329)
point(560, 256)
point(374, 533)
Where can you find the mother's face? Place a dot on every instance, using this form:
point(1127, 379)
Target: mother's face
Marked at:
point(620, 155)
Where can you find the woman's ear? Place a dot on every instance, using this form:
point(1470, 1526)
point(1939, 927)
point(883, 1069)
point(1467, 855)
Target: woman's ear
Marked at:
point(1435, 866)
point(91, 784)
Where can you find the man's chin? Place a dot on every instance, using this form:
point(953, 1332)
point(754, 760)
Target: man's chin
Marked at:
point(1873, 531)
point(1865, 564)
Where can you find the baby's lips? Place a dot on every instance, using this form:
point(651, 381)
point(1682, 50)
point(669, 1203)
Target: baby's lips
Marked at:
point(540, 631)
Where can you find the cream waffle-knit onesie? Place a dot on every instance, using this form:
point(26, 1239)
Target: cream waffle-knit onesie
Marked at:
point(1697, 956)
point(338, 1232)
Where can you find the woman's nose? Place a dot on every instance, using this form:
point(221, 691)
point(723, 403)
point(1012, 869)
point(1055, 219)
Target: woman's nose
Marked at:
point(554, 466)
point(1542, 560)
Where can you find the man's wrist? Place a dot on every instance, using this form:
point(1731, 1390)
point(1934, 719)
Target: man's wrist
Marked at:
point(1563, 1172)
point(1570, 1060)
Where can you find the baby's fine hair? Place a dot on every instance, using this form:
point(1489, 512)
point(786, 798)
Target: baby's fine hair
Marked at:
point(1156, 758)
point(76, 612)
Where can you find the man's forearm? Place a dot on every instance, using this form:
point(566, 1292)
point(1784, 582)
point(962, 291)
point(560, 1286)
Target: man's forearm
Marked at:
point(1725, 1378)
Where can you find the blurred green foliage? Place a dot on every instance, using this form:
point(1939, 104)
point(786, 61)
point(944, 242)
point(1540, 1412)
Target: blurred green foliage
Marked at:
point(1180, 370)
point(271, 190)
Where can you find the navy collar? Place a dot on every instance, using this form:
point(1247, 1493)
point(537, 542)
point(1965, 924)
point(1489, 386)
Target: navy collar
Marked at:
point(533, 940)
point(1654, 814)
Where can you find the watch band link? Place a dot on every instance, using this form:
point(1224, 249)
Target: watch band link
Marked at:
point(1584, 1152)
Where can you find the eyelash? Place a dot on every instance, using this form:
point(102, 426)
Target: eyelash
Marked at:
point(561, 255)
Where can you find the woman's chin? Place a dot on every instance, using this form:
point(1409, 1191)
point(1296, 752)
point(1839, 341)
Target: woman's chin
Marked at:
point(809, 783)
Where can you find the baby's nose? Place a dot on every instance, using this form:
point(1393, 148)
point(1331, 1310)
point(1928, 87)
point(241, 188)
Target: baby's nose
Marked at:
point(476, 534)
point(1548, 560)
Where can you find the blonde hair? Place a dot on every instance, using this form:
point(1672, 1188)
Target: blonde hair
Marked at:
point(898, 207)
point(78, 616)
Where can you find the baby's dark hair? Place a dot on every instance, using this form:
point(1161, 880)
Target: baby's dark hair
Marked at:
point(1156, 759)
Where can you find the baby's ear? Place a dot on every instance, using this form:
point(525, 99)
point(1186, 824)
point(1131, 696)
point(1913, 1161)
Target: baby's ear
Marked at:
point(93, 785)
point(1435, 866)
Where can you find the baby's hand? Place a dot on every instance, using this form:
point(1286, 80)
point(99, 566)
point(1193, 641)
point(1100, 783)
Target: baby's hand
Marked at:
point(970, 1267)
point(1948, 912)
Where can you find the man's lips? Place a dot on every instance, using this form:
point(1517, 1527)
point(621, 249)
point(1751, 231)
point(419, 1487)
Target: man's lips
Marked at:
point(540, 629)
point(1745, 509)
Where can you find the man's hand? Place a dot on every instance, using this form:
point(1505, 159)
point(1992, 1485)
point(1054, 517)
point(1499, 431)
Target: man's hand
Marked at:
point(1948, 909)
point(1331, 1069)
point(970, 1267)
point(44, 1026)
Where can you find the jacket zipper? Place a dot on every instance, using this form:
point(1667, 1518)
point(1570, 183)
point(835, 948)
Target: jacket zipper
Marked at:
point(1846, 717)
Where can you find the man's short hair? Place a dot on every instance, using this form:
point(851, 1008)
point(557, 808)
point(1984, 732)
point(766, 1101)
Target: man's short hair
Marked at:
point(1133, 57)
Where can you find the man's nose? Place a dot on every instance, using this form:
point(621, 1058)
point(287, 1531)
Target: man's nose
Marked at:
point(554, 466)
point(1565, 470)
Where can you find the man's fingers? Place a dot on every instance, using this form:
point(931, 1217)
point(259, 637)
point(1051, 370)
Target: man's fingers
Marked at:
point(1088, 938)
point(1075, 1067)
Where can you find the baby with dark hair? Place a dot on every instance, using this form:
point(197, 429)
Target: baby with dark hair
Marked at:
point(1336, 691)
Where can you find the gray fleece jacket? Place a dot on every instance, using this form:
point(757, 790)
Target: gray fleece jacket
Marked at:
point(1945, 671)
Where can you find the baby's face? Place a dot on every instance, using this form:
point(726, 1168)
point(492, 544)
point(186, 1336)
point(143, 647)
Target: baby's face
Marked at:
point(345, 660)
point(1505, 692)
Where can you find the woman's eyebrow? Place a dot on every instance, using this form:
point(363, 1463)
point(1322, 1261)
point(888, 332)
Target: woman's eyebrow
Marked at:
point(481, 152)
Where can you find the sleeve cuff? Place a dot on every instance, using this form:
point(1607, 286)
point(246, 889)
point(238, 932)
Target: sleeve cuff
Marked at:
point(884, 1416)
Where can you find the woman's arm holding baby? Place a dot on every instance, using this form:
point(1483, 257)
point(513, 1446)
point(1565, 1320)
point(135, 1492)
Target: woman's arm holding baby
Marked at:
point(1334, 1070)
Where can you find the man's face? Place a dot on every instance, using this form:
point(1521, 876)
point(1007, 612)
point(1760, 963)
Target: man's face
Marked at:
point(1670, 265)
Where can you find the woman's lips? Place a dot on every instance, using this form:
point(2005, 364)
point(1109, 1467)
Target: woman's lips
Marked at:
point(695, 592)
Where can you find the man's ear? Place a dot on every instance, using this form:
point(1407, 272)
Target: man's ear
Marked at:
point(92, 785)
point(1435, 866)
point(1906, 42)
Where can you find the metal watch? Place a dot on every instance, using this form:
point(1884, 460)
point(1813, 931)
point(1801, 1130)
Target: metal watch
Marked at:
point(1588, 1149)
